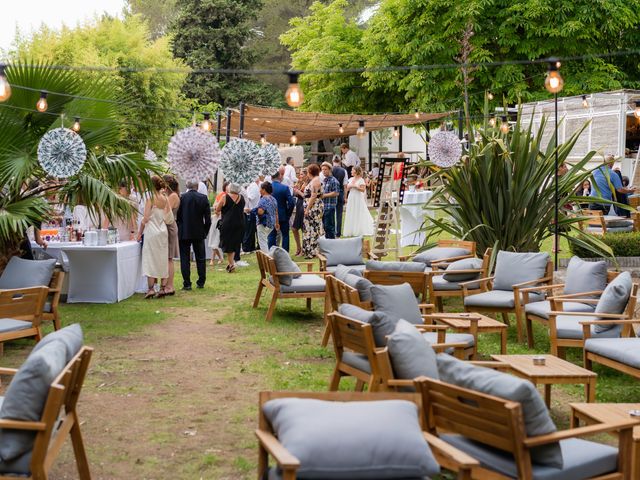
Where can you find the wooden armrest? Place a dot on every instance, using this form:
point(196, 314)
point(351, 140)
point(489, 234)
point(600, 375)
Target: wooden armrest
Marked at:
point(321, 257)
point(555, 313)
point(441, 347)
point(372, 256)
point(468, 270)
point(54, 290)
point(400, 383)
point(592, 301)
point(533, 282)
point(404, 258)
point(580, 432)
point(431, 328)
point(460, 458)
point(22, 425)
point(452, 259)
point(8, 371)
point(479, 280)
point(541, 287)
point(277, 450)
point(609, 322)
point(307, 262)
point(426, 306)
point(578, 295)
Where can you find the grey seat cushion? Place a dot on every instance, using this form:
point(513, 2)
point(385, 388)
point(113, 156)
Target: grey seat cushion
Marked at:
point(306, 283)
point(411, 355)
point(275, 474)
point(345, 251)
point(12, 325)
point(615, 297)
point(21, 273)
point(464, 264)
point(397, 301)
point(363, 285)
point(70, 336)
point(542, 309)
point(380, 266)
point(513, 268)
point(339, 271)
point(352, 440)
point(536, 416)
point(581, 459)
point(439, 253)
point(585, 276)
point(26, 396)
point(357, 360)
point(497, 298)
point(623, 350)
point(570, 327)
point(284, 263)
point(432, 337)
point(439, 283)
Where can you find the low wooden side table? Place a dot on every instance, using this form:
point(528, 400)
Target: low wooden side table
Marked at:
point(554, 371)
point(473, 323)
point(606, 413)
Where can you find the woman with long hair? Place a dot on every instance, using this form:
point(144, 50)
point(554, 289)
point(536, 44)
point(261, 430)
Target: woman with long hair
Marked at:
point(172, 232)
point(298, 219)
point(231, 210)
point(358, 220)
point(313, 212)
point(213, 240)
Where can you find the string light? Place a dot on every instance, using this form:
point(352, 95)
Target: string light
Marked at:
point(294, 137)
point(361, 132)
point(5, 88)
point(492, 121)
point(504, 127)
point(636, 112)
point(585, 103)
point(42, 104)
point(396, 132)
point(206, 123)
point(263, 139)
point(294, 95)
point(340, 129)
point(76, 125)
point(417, 115)
point(490, 95)
point(554, 81)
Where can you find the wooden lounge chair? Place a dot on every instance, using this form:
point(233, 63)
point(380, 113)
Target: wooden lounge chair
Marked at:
point(327, 263)
point(467, 245)
point(21, 313)
point(597, 223)
point(622, 354)
point(50, 312)
point(417, 280)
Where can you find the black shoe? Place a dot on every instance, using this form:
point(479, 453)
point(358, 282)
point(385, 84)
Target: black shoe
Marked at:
point(186, 288)
point(199, 286)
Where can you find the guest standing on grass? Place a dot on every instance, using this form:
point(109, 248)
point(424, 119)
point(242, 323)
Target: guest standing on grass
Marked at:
point(350, 158)
point(213, 239)
point(194, 221)
point(172, 231)
point(298, 220)
point(331, 191)
point(358, 221)
point(340, 174)
point(266, 214)
point(252, 197)
point(289, 177)
point(313, 213)
point(231, 211)
point(282, 195)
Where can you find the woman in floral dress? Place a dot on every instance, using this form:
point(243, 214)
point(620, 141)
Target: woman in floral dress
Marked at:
point(313, 210)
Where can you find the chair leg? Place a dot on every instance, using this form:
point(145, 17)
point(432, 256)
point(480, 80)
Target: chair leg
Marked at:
point(519, 328)
point(505, 318)
point(326, 334)
point(562, 353)
point(78, 449)
point(272, 306)
point(530, 340)
point(335, 380)
point(308, 303)
point(256, 301)
point(56, 322)
point(439, 304)
point(359, 386)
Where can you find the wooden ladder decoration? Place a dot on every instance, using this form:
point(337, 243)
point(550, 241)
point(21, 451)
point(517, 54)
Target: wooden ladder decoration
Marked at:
point(387, 205)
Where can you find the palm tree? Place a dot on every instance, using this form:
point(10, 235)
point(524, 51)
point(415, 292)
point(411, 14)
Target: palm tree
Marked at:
point(23, 182)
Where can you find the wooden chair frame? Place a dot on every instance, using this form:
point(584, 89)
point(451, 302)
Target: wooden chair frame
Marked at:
point(448, 243)
point(598, 216)
point(366, 253)
point(558, 345)
point(268, 271)
point(500, 424)
point(417, 280)
point(59, 420)
point(269, 445)
point(590, 357)
point(436, 296)
point(486, 285)
point(23, 304)
point(55, 289)
point(550, 289)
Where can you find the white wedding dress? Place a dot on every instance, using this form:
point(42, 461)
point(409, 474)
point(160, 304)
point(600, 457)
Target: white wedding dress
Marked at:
point(358, 221)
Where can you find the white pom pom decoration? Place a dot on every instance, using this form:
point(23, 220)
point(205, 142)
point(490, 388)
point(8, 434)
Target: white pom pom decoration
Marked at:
point(240, 161)
point(193, 154)
point(445, 149)
point(269, 158)
point(61, 152)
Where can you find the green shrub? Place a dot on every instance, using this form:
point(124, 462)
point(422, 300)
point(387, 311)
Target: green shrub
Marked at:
point(622, 245)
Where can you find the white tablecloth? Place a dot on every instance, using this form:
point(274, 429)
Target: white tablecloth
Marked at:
point(412, 216)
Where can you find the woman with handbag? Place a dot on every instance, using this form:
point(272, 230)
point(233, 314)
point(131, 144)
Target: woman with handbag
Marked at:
point(155, 249)
point(167, 287)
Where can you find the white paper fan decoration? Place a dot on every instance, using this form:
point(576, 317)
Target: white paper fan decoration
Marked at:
point(270, 159)
point(445, 149)
point(240, 162)
point(193, 154)
point(62, 152)
point(150, 155)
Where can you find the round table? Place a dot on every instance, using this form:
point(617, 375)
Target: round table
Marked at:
point(412, 217)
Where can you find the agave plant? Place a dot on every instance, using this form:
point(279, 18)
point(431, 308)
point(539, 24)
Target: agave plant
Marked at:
point(502, 195)
point(22, 202)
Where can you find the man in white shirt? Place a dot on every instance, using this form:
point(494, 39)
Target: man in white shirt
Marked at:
point(252, 198)
point(289, 178)
point(202, 188)
point(350, 158)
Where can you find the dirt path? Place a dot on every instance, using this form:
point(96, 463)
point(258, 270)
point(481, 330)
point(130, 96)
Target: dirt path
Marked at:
point(173, 402)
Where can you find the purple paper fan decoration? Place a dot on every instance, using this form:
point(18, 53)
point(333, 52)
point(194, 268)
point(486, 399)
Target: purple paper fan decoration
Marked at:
point(61, 152)
point(150, 155)
point(269, 158)
point(445, 149)
point(240, 161)
point(193, 154)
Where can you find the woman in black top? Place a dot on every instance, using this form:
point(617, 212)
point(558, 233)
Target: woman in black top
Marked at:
point(231, 209)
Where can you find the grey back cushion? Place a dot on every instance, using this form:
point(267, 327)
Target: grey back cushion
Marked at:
point(398, 301)
point(614, 299)
point(439, 253)
point(70, 336)
point(464, 264)
point(345, 251)
point(513, 268)
point(356, 313)
point(585, 276)
point(536, 416)
point(394, 266)
point(342, 270)
point(21, 273)
point(411, 355)
point(363, 285)
point(352, 440)
point(27, 394)
point(284, 264)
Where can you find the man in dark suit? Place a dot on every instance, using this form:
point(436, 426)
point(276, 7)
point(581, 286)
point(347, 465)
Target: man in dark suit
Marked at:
point(194, 221)
point(342, 177)
point(286, 202)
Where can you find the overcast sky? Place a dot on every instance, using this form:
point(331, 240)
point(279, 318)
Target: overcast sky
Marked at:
point(30, 14)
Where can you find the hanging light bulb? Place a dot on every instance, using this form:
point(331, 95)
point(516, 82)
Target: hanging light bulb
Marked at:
point(361, 132)
point(294, 95)
point(492, 121)
point(206, 123)
point(490, 95)
point(340, 129)
point(396, 132)
point(263, 139)
point(294, 138)
point(554, 81)
point(585, 103)
point(504, 126)
point(42, 104)
point(636, 111)
point(417, 115)
point(5, 88)
point(76, 125)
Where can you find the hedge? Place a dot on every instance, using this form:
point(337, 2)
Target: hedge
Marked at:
point(622, 245)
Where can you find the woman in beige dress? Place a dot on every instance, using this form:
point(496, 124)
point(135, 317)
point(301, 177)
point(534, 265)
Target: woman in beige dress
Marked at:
point(172, 231)
point(155, 248)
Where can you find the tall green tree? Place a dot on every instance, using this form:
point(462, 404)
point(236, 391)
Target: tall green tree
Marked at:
point(214, 34)
point(159, 14)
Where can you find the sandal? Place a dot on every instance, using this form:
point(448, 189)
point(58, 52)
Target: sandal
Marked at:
point(161, 293)
point(232, 268)
point(150, 294)
point(169, 293)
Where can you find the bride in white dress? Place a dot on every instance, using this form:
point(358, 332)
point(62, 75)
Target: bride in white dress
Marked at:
point(358, 221)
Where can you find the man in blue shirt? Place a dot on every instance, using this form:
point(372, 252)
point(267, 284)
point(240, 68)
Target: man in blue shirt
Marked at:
point(604, 178)
point(286, 202)
point(331, 190)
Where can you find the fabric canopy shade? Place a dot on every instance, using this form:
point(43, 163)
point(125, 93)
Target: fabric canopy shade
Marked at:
point(277, 124)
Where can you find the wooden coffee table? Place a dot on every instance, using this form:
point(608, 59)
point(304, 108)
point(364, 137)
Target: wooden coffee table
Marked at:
point(608, 413)
point(473, 323)
point(554, 371)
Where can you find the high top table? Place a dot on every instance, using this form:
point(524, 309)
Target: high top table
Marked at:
point(412, 216)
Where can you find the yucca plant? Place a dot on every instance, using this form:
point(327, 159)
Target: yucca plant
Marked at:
point(22, 201)
point(502, 194)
